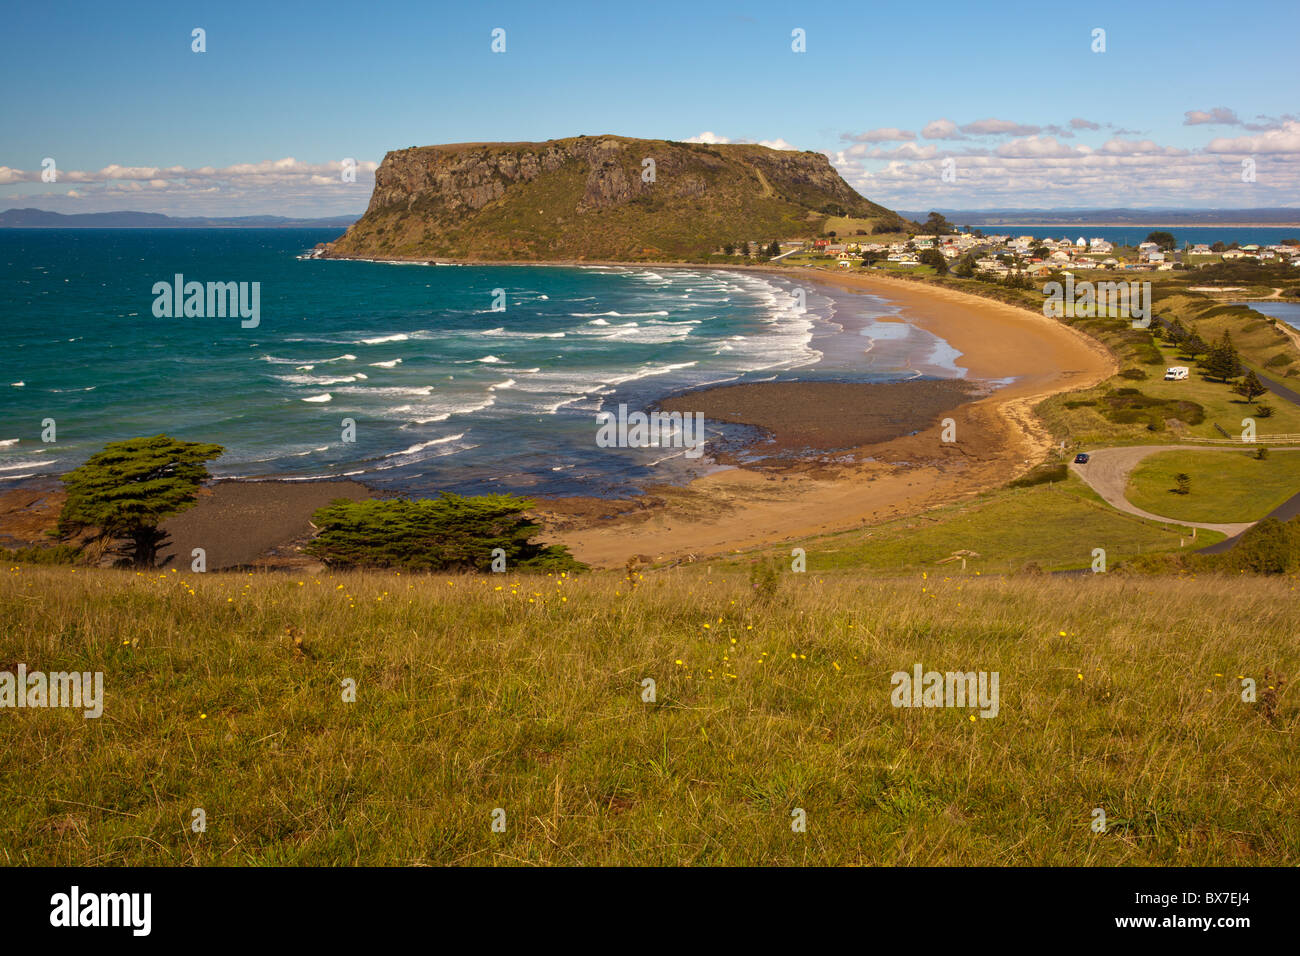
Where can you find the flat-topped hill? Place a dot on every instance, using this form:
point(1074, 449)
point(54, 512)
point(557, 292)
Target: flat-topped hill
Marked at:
point(597, 197)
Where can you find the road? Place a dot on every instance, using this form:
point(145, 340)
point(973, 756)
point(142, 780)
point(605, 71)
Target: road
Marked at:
point(1107, 474)
point(1280, 390)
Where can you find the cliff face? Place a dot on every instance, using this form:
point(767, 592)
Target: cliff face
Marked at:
point(591, 198)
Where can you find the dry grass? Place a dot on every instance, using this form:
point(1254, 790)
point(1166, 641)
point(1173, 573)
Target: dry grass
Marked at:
point(223, 692)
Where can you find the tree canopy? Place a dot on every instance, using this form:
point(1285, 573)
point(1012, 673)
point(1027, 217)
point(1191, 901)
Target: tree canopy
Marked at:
point(131, 487)
point(449, 533)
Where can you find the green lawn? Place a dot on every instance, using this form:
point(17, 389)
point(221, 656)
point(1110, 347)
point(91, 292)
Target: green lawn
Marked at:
point(1054, 527)
point(1227, 485)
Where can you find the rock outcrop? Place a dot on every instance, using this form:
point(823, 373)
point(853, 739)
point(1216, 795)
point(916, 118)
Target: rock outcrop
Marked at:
point(597, 197)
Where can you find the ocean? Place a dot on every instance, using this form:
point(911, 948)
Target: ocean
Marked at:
point(446, 392)
point(1132, 235)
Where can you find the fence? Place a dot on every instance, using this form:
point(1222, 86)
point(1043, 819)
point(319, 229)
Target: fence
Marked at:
point(1257, 440)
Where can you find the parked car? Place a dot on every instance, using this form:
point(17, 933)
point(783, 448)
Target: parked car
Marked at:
point(1176, 374)
point(1081, 458)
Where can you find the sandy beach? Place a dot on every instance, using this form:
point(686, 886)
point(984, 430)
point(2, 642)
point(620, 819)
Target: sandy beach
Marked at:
point(997, 437)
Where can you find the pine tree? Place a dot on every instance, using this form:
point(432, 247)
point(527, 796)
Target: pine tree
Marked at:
point(1250, 386)
point(1222, 361)
point(131, 487)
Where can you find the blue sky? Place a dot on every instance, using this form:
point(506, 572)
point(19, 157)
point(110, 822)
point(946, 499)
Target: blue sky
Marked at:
point(1010, 95)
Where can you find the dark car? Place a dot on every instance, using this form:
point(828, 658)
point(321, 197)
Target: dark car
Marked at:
point(1081, 458)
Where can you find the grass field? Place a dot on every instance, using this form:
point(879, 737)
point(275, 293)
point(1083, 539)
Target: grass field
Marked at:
point(1226, 486)
point(1086, 415)
point(1054, 527)
point(222, 692)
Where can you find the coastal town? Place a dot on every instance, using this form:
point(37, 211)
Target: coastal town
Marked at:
point(999, 256)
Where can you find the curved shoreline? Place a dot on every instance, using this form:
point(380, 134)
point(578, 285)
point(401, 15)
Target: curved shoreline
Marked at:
point(997, 437)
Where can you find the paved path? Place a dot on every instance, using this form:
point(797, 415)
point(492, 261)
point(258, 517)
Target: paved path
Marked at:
point(1277, 388)
point(1107, 474)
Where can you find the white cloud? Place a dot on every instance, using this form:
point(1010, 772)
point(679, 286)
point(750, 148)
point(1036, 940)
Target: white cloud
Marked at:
point(1283, 140)
point(707, 137)
point(999, 127)
point(713, 139)
point(902, 151)
point(885, 134)
point(1220, 115)
point(941, 129)
point(1039, 171)
point(1039, 146)
point(1133, 147)
point(286, 186)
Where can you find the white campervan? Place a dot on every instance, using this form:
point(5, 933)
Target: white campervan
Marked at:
point(1176, 374)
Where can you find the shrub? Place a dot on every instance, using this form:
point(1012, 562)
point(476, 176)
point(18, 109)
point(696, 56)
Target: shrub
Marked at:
point(449, 533)
point(1133, 374)
point(1269, 547)
point(56, 554)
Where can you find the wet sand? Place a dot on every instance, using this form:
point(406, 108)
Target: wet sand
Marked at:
point(239, 522)
point(997, 437)
point(803, 420)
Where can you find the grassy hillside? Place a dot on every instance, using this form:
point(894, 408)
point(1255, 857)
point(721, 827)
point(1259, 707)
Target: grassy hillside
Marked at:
point(1048, 526)
point(223, 693)
point(594, 198)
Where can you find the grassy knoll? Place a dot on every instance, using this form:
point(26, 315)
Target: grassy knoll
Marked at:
point(1053, 527)
point(1229, 485)
point(223, 692)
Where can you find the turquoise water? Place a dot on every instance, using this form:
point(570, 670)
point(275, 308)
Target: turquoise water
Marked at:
point(445, 392)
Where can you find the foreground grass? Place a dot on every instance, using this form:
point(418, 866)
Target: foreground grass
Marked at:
point(525, 694)
point(1051, 527)
point(1225, 485)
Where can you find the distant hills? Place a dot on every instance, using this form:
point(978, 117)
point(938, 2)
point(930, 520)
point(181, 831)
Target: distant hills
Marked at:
point(599, 198)
point(41, 219)
point(1280, 216)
